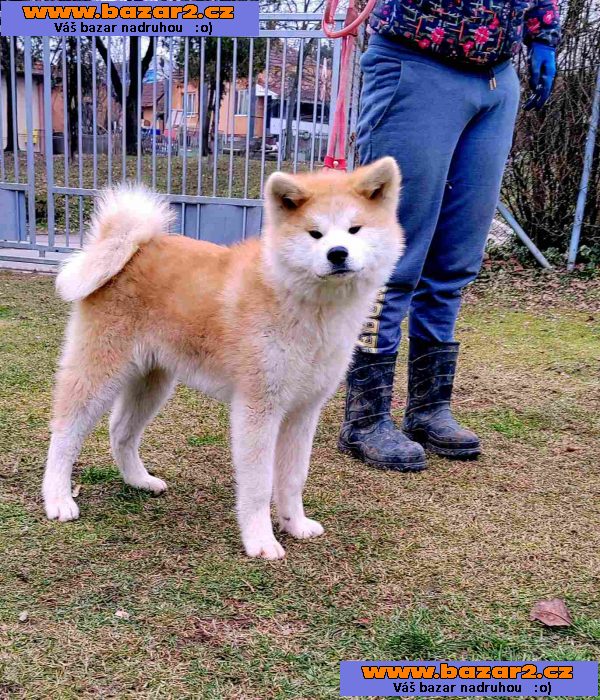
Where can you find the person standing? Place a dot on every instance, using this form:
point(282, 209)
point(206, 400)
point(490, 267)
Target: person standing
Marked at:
point(440, 94)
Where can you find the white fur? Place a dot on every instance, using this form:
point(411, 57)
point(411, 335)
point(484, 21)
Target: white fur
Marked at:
point(125, 218)
point(306, 359)
point(138, 403)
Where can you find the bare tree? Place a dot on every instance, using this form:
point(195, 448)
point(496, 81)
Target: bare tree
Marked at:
point(11, 107)
point(133, 78)
point(543, 177)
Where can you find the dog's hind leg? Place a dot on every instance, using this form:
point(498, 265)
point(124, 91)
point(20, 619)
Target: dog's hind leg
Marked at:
point(91, 373)
point(140, 400)
point(294, 446)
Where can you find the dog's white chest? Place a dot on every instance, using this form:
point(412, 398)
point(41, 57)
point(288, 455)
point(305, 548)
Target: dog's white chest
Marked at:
point(308, 361)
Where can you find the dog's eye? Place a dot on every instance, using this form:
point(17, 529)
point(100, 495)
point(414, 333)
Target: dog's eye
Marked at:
point(316, 234)
point(354, 229)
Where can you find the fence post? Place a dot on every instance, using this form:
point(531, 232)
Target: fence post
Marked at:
point(28, 69)
point(530, 245)
point(49, 146)
point(585, 176)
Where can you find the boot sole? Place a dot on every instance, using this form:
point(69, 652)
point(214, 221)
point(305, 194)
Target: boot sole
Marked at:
point(387, 466)
point(460, 453)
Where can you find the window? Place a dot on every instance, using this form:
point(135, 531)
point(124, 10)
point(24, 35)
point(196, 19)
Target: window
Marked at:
point(190, 102)
point(241, 102)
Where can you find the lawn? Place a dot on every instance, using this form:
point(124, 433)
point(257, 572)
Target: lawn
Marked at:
point(443, 564)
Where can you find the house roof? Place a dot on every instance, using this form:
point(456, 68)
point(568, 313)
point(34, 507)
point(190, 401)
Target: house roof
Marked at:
point(311, 74)
point(37, 70)
point(148, 95)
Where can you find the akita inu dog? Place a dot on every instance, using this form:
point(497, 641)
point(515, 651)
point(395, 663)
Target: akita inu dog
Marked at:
point(268, 325)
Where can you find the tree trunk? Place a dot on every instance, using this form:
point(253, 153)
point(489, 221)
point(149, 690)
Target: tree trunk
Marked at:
point(292, 102)
point(291, 107)
point(71, 128)
point(10, 124)
point(208, 117)
point(131, 109)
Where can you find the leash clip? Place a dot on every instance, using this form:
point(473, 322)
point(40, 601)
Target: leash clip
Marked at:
point(333, 163)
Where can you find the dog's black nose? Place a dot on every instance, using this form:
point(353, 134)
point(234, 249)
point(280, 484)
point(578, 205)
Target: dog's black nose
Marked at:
point(337, 255)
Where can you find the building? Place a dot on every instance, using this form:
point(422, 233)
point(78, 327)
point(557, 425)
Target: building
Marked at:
point(37, 108)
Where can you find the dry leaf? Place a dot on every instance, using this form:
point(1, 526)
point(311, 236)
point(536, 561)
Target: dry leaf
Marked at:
point(122, 614)
point(76, 490)
point(552, 613)
point(23, 616)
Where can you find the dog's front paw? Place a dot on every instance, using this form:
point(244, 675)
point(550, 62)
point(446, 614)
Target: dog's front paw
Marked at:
point(267, 548)
point(148, 483)
point(302, 528)
point(61, 508)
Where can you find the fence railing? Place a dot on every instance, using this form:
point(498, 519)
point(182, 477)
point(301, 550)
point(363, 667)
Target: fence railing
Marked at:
point(203, 121)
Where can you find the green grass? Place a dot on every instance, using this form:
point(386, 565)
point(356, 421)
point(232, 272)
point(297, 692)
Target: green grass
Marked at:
point(98, 475)
point(202, 440)
point(444, 564)
point(5, 312)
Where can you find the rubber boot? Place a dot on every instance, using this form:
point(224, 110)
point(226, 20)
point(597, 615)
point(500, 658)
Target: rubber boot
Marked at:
point(428, 419)
point(368, 432)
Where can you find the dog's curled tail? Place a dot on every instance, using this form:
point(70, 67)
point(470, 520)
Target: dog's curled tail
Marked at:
point(125, 218)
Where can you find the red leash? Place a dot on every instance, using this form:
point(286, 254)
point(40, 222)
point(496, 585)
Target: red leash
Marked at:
point(336, 145)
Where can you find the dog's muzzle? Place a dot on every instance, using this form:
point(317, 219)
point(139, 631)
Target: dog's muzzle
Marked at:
point(338, 257)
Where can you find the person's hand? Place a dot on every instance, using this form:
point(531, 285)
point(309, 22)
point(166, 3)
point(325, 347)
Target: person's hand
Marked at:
point(542, 70)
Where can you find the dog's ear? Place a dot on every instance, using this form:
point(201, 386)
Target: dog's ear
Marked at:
point(283, 190)
point(379, 181)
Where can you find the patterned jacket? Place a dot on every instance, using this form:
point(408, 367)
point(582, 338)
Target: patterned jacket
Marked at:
point(480, 32)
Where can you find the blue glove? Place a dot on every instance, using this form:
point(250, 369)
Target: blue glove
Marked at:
point(542, 70)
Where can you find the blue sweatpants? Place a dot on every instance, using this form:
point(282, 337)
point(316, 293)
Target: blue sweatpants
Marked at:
point(450, 129)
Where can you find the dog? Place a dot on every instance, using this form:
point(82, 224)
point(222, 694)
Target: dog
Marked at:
point(268, 325)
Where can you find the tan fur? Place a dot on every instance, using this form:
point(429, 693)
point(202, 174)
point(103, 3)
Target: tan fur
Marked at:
point(116, 233)
point(256, 325)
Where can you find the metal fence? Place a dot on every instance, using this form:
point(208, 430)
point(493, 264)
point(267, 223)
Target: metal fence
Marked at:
point(202, 120)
